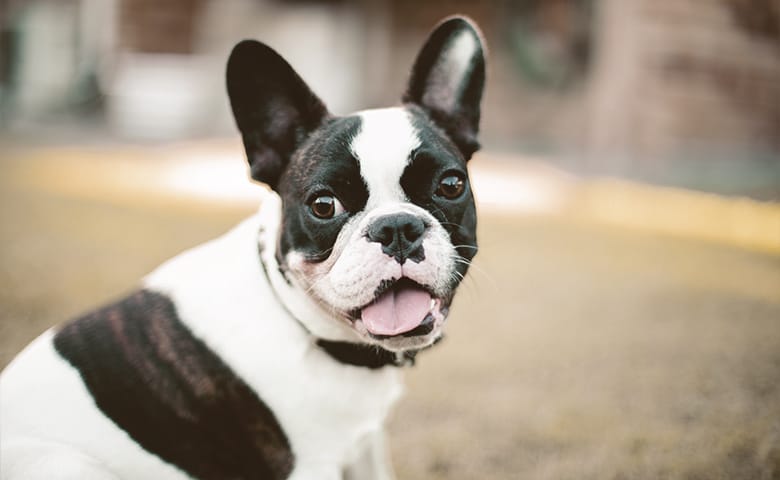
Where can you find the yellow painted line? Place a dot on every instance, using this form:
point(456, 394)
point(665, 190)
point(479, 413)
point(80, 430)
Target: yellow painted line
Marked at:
point(143, 175)
point(740, 222)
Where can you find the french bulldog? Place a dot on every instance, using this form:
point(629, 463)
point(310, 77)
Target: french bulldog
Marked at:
point(274, 351)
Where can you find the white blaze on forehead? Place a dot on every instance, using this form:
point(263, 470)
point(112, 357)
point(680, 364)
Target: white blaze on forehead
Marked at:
point(382, 148)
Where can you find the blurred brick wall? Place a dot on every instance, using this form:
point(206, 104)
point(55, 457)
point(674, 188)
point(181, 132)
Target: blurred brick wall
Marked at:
point(153, 26)
point(675, 74)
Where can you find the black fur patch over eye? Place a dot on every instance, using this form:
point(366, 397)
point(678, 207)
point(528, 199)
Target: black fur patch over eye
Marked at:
point(320, 190)
point(436, 180)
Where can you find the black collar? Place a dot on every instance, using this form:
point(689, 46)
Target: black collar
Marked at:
point(356, 354)
point(365, 355)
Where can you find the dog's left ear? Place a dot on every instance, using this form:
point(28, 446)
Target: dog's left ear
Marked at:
point(448, 78)
point(274, 108)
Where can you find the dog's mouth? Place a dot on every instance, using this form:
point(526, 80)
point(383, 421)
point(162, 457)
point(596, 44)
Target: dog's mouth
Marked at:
point(401, 308)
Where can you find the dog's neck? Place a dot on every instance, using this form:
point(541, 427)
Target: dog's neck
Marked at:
point(336, 339)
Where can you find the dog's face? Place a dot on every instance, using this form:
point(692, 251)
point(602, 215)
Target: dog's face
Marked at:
point(382, 231)
point(378, 218)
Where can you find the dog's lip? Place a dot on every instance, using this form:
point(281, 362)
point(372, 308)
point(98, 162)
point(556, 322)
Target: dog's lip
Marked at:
point(395, 284)
point(424, 328)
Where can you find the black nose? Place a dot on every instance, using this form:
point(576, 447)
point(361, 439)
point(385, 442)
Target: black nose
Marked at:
point(401, 236)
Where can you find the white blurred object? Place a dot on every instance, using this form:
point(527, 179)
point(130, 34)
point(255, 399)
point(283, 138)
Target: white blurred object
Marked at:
point(509, 184)
point(46, 76)
point(213, 176)
point(62, 45)
point(157, 96)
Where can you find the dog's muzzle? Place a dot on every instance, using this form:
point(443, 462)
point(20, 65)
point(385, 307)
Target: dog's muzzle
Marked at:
point(402, 307)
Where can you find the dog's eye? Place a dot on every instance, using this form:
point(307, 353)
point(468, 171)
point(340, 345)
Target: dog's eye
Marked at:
point(451, 187)
point(326, 206)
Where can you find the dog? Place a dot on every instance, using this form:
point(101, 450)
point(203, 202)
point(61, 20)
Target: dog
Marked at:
point(274, 351)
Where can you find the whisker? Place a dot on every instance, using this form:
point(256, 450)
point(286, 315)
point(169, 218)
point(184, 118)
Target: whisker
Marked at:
point(466, 246)
point(476, 268)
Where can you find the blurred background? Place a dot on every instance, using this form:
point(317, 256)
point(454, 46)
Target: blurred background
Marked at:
point(677, 92)
point(622, 320)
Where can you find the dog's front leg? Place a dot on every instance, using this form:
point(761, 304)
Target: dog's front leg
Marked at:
point(372, 461)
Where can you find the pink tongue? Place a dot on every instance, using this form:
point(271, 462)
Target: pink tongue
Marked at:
point(397, 311)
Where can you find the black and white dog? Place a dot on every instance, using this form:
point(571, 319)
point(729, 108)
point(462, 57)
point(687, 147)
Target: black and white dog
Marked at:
point(270, 352)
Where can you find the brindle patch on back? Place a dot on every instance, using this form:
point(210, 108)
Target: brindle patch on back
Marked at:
point(172, 394)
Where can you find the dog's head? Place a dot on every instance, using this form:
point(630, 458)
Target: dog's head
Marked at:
point(378, 222)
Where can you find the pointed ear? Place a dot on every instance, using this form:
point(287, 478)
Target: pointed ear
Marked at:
point(447, 80)
point(274, 108)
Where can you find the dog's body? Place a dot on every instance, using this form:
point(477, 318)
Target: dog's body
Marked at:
point(270, 352)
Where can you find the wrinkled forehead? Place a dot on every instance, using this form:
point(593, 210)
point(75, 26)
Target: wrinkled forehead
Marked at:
point(383, 149)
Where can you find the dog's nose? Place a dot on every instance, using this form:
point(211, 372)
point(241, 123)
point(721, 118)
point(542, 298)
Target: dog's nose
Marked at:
point(401, 236)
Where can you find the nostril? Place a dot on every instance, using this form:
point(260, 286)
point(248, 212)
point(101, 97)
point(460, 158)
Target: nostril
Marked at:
point(413, 229)
point(381, 233)
point(387, 235)
point(400, 235)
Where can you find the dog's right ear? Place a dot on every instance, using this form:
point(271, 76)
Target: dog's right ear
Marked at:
point(274, 108)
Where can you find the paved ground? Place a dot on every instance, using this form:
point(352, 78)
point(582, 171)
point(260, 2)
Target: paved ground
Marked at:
point(577, 350)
